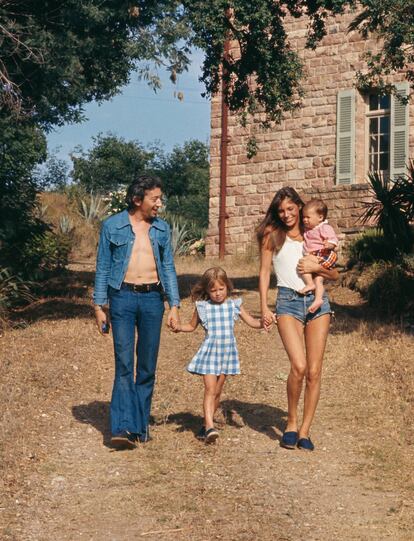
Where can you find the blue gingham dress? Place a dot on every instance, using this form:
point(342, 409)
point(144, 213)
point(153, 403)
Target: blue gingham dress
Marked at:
point(218, 353)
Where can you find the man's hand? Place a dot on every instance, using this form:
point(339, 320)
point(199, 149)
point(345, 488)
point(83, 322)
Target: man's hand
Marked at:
point(101, 318)
point(173, 319)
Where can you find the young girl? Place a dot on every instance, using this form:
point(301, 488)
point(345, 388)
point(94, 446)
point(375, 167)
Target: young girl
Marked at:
point(218, 356)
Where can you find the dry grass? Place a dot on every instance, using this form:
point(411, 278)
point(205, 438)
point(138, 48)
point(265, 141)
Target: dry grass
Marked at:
point(62, 481)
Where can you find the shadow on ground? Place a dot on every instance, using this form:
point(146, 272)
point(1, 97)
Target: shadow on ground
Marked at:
point(96, 414)
point(259, 417)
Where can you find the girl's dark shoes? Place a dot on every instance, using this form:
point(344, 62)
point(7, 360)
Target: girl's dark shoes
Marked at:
point(289, 440)
point(201, 434)
point(305, 444)
point(211, 435)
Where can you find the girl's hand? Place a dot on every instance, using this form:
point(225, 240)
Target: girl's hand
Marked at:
point(175, 325)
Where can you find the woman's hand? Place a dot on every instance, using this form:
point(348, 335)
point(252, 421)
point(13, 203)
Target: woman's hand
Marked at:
point(309, 264)
point(268, 318)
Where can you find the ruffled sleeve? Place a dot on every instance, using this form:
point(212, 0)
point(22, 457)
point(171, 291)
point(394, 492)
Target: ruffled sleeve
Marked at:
point(236, 308)
point(202, 312)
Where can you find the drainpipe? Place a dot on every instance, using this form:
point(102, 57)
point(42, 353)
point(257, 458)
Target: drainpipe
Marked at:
point(223, 163)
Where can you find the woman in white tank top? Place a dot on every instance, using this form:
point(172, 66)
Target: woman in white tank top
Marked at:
point(303, 334)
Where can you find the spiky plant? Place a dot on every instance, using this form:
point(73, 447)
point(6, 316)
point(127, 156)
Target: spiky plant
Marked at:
point(94, 208)
point(386, 210)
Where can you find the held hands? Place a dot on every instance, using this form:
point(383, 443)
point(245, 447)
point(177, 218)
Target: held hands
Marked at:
point(173, 319)
point(268, 318)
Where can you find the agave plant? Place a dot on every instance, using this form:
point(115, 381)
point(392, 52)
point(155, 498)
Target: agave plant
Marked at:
point(387, 210)
point(94, 208)
point(65, 225)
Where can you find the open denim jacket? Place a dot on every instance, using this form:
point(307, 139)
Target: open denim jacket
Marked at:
point(114, 252)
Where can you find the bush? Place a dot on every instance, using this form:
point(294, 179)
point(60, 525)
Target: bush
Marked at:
point(13, 291)
point(388, 288)
point(48, 253)
point(370, 247)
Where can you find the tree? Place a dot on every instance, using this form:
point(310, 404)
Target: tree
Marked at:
point(56, 56)
point(54, 175)
point(185, 176)
point(110, 163)
point(22, 147)
point(392, 22)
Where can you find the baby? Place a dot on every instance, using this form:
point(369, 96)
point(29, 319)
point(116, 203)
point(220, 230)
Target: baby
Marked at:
point(320, 240)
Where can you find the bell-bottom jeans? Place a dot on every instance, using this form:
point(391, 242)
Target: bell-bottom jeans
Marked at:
point(134, 385)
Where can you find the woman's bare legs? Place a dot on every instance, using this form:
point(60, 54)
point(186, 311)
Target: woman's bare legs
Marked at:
point(316, 334)
point(291, 333)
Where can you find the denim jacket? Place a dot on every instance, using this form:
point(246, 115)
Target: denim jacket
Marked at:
point(114, 252)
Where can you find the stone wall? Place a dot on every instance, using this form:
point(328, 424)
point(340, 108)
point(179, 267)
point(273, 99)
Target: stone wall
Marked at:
point(300, 152)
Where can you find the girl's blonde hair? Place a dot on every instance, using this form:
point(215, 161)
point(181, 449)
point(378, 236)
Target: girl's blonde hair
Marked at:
point(271, 232)
point(201, 290)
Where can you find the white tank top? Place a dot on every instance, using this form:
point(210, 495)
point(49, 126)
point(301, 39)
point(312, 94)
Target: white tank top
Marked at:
point(285, 262)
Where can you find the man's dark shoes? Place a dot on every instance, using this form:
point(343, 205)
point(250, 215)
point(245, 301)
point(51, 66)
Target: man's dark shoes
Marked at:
point(124, 440)
point(201, 434)
point(305, 444)
point(289, 440)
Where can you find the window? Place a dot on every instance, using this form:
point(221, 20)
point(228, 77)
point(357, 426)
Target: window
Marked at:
point(386, 134)
point(378, 130)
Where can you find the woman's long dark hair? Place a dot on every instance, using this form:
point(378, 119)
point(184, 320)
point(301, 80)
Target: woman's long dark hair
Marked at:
point(272, 231)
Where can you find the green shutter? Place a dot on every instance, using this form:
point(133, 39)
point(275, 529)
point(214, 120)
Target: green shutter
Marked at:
point(399, 132)
point(345, 137)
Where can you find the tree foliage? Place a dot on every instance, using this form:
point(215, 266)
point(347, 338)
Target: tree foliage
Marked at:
point(110, 163)
point(56, 56)
point(22, 147)
point(185, 176)
point(392, 22)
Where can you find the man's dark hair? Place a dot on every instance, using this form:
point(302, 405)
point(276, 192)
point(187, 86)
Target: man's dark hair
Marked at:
point(138, 188)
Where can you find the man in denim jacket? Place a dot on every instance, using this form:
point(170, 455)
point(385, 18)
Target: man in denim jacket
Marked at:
point(134, 269)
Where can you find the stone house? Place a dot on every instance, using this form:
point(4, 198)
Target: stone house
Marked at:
point(325, 149)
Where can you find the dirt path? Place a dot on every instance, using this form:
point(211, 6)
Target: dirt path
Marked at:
point(63, 481)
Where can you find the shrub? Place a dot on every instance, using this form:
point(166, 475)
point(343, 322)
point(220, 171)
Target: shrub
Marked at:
point(369, 247)
point(13, 291)
point(389, 208)
point(388, 288)
point(48, 253)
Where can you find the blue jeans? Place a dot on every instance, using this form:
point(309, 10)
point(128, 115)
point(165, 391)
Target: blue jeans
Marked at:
point(131, 396)
point(291, 303)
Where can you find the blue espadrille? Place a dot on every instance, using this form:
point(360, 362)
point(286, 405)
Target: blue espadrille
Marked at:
point(289, 440)
point(305, 444)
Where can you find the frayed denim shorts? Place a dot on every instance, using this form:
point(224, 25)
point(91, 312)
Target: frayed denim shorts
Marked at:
point(291, 303)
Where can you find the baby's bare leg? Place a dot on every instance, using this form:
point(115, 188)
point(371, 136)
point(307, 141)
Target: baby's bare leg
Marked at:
point(310, 284)
point(319, 290)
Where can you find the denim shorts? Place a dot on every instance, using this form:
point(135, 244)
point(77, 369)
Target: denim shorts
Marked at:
point(291, 303)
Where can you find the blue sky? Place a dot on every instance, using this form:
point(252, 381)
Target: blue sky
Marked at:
point(140, 114)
